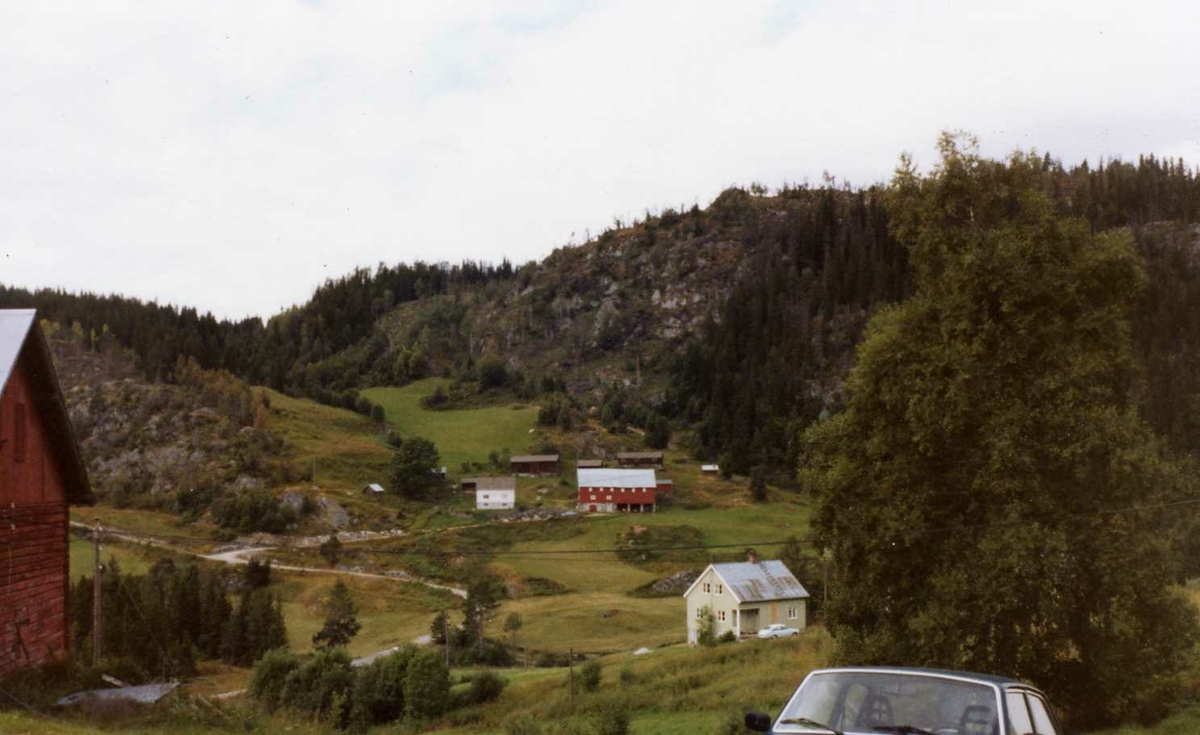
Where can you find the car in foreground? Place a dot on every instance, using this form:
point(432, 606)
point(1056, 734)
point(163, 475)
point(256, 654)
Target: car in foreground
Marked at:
point(778, 630)
point(868, 700)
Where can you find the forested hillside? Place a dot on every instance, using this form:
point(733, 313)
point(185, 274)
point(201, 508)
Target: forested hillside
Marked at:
point(739, 320)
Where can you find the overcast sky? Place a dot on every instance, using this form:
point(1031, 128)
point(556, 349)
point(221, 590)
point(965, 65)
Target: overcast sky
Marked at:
point(232, 156)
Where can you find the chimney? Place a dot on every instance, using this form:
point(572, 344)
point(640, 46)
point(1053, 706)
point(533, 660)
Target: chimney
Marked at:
point(752, 556)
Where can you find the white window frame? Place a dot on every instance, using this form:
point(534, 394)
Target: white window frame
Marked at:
point(720, 588)
point(791, 613)
point(707, 588)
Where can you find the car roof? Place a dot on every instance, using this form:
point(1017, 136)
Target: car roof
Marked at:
point(990, 679)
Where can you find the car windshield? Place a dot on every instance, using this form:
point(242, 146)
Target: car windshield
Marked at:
point(875, 702)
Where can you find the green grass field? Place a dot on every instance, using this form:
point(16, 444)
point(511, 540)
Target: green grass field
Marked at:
point(132, 559)
point(390, 612)
point(348, 449)
point(461, 435)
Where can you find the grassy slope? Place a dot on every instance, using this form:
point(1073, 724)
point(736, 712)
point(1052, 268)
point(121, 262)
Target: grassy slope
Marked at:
point(390, 612)
point(348, 448)
point(132, 559)
point(460, 435)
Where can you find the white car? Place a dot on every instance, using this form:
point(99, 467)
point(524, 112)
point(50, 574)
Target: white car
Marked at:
point(777, 630)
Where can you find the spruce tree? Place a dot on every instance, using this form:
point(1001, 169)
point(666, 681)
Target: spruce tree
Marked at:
point(341, 621)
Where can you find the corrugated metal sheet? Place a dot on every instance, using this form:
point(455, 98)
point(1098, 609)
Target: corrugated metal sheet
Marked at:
point(147, 694)
point(760, 582)
point(14, 328)
point(607, 477)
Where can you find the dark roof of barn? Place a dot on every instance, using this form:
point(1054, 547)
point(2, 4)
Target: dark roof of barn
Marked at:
point(19, 335)
point(493, 483)
point(589, 463)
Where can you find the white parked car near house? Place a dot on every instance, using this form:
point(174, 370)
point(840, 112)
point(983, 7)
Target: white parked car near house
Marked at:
point(777, 630)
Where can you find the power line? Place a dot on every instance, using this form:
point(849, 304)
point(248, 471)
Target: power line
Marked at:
point(572, 554)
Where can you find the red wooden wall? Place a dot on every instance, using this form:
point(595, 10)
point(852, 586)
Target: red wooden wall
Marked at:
point(34, 563)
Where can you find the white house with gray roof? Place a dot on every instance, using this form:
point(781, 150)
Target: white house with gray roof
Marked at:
point(745, 597)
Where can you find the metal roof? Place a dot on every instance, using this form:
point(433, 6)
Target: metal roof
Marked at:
point(589, 463)
point(146, 694)
point(639, 455)
point(608, 477)
point(493, 483)
point(375, 487)
point(534, 458)
point(20, 334)
point(14, 328)
point(758, 581)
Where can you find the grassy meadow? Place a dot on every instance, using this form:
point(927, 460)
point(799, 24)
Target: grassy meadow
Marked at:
point(461, 435)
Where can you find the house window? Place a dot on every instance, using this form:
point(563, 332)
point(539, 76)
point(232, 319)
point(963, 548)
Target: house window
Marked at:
point(610, 498)
point(720, 589)
point(699, 613)
point(485, 497)
point(721, 616)
point(591, 497)
point(19, 433)
point(707, 587)
point(791, 613)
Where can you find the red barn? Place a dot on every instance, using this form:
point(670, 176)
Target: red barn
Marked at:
point(617, 491)
point(41, 471)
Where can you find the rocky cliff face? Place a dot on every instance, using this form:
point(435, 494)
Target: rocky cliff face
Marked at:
point(144, 442)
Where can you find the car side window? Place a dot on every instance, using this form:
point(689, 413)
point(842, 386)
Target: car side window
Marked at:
point(1018, 714)
point(1042, 722)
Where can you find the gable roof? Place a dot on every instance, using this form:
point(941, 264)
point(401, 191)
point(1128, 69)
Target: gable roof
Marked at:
point(492, 483)
point(756, 582)
point(20, 336)
point(533, 458)
point(609, 477)
point(639, 455)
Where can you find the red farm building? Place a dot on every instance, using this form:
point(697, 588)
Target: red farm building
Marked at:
point(41, 472)
point(617, 491)
point(534, 464)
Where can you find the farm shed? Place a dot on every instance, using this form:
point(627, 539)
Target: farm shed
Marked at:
point(617, 491)
point(373, 489)
point(640, 459)
point(745, 597)
point(665, 485)
point(589, 464)
point(495, 493)
point(534, 464)
point(41, 472)
point(710, 469)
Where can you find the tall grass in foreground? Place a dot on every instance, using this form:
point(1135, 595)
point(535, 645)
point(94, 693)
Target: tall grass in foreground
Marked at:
point(695, 686)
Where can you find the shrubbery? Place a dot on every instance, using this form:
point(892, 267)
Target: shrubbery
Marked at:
point(252, 512)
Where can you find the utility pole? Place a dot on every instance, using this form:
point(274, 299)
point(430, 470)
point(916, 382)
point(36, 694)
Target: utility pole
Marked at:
point(571, 677)
point(96, 596)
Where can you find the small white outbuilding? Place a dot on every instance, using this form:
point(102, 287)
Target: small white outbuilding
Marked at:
point(495, 493)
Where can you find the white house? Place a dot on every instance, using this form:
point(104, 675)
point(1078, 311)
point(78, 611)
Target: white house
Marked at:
point(495, 493)
point(745, 597)
point(608, 490)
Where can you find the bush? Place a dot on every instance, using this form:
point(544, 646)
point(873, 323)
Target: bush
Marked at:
point(758, 484)
point(378, 695)
point(331, 549)
point(589, 676)
point(270, 675)
point(426, 686)
point(485, 686)
point(319, 683)
point(727, 637)
point(614, 720)
point(627, 675)
point(492, 373)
